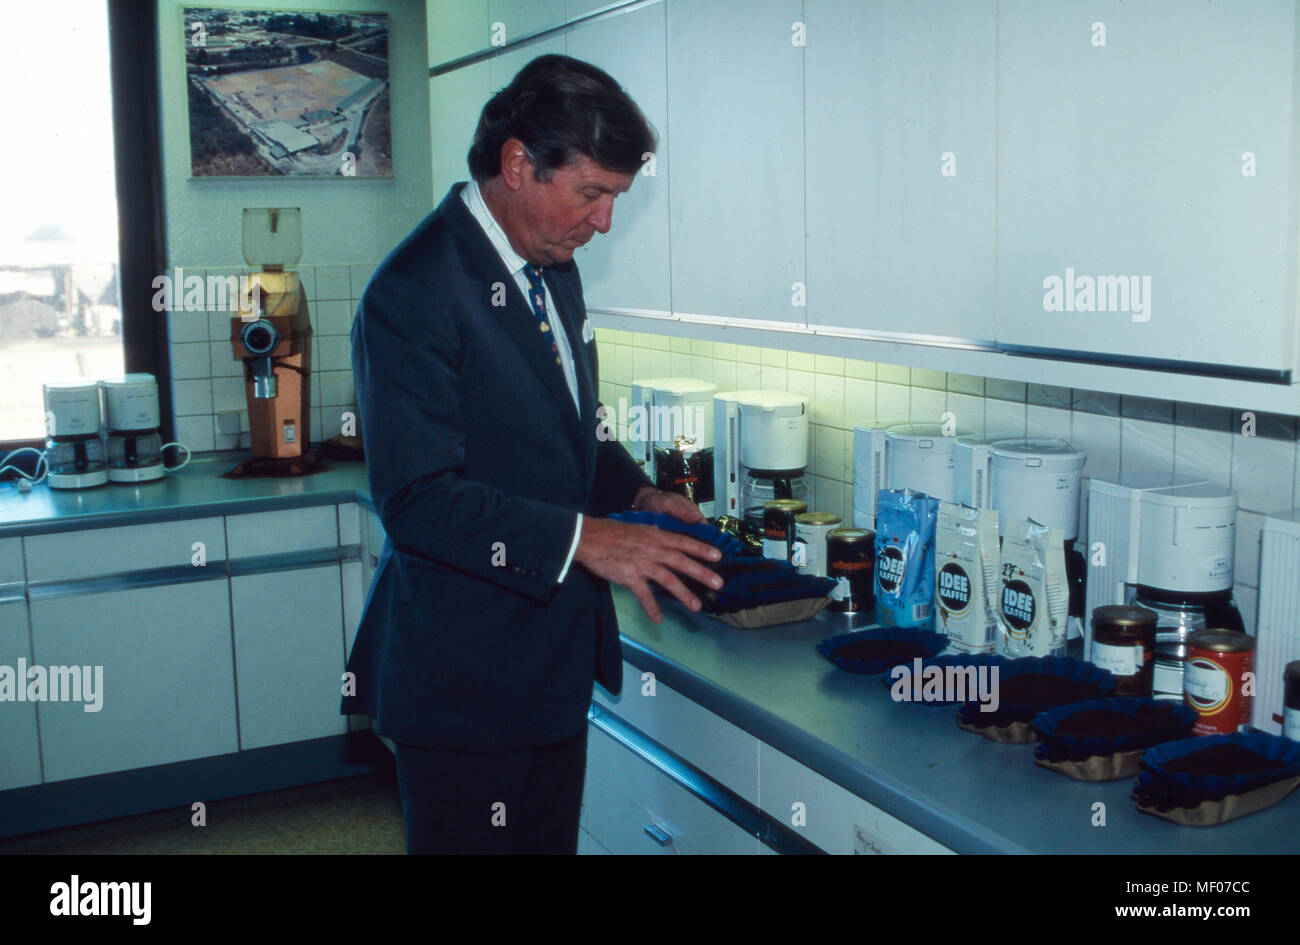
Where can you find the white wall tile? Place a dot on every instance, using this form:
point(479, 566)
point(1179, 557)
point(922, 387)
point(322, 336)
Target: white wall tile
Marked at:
point(1099, 437)
point(1146, 446)
point(969, 411)
point(859, 400)
point(829, 364)
point(773, 378)
point(333, 317)
point(1004, 416)
point(724, 374)
point(192, 398)
point(228, 394)
point(223, 360)
point(1203, 453)
point(827, 496)
point(893, 400)
point(307, 279)
point(359, 275)
point(928, 406)
point(679, 364)
point(749, 375)
point(799, 361)
point(828, 400)
point(829, 458)
point(678, 345)
point(196, 433)
point(335, 354)
point(1247, 599)
point(183, 327)
point(1263, 472)
point(864, 370)
point(333, 282)
point(337, 389)
point(1047, 422)
point(803, 383)
point(190, 360)
point(700, 366)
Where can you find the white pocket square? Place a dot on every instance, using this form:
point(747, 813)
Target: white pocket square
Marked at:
point(588, 332)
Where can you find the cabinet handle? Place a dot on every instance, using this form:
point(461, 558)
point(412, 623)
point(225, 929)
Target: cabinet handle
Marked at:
point(658, 835)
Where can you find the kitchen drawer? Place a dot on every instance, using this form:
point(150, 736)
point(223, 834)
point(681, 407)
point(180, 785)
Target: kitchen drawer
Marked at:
point(625, 794)
point(11, 560)
point(268, 533)
point(726, 753)
point(832, 814)
point(67, 556)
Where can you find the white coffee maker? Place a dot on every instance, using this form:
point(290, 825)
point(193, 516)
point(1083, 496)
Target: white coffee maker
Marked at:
point(670, 434)
point(760, 451)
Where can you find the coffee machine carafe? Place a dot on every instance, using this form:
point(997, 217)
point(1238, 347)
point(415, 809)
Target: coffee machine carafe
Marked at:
point(272, 335)
point(1167, 545)
point(74, 450)
point(761, 451)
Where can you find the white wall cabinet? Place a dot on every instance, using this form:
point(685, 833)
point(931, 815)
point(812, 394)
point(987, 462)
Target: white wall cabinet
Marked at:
point(289, 655)
point(168, 679)
point(901, 166)
point(20, 754)
point(629, 266)
point(736, 114)
point(1125, 160)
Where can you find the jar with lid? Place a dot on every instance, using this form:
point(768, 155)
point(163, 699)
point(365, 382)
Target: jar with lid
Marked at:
point(1124, 642)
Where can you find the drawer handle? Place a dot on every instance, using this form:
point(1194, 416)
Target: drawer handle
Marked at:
point(658, 835)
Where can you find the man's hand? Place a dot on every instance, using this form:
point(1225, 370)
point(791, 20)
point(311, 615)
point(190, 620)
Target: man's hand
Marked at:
point(634, 555)
point(650, 499)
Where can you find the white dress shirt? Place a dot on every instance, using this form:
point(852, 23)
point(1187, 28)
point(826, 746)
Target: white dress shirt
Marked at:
point(515, 264)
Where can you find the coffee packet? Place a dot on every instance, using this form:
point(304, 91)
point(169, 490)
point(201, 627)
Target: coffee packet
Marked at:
point(905, 522)
point(1035, 598)
point(966, 585)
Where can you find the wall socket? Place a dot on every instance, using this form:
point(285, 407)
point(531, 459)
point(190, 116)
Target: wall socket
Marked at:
point(866, 843)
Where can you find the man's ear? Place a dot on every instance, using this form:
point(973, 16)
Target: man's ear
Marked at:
point(514, 163)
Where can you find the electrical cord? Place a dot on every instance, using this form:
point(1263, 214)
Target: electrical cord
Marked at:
point(26, 480)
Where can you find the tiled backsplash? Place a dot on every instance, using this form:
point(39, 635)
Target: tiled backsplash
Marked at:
point(1119, 434)
point(207, 381)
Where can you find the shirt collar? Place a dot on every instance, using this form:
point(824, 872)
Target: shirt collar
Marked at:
point(478, 208)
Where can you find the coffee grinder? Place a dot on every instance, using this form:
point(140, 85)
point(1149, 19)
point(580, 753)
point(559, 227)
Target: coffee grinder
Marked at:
point(271, 334)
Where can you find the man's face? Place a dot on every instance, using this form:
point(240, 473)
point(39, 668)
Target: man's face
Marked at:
point(556, 217)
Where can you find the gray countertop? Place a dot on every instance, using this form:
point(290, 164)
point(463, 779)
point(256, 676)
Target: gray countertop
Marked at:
point(912, 761)
point(195, 491)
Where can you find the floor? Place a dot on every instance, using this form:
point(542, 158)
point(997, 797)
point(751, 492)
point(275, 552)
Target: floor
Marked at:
point(353, 815)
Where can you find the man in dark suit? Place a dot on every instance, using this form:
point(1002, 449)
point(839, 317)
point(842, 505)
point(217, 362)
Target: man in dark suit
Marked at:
point(490, 612)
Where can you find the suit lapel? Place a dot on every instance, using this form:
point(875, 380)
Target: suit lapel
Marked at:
point(571, 316)
point(517, 318)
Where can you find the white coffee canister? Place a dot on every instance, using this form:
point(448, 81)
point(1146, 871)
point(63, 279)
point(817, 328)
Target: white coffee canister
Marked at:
point(1039, 480)
point(131, 403)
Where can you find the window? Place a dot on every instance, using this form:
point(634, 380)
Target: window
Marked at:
point(78, 108)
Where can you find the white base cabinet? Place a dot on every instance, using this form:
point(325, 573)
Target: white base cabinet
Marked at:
point(20, 753)
point(168, 683)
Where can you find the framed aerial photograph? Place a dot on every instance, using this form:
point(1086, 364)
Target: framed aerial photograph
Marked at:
point(287, 93)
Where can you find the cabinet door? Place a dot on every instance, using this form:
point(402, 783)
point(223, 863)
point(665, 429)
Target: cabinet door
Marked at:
point(625, 795)
point(455, 101)
point(901, 175)
point(736, 109)
point(628, 266)
point(166, 682)
point(1131, 162)
point(457, 29)
point(20, 756)
point(288, 655)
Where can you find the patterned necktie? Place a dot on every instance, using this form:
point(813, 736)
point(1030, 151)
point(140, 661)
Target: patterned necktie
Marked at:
point(537, 297)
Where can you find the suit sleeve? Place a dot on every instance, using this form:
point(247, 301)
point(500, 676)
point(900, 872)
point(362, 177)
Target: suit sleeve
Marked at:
point(406, 358)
